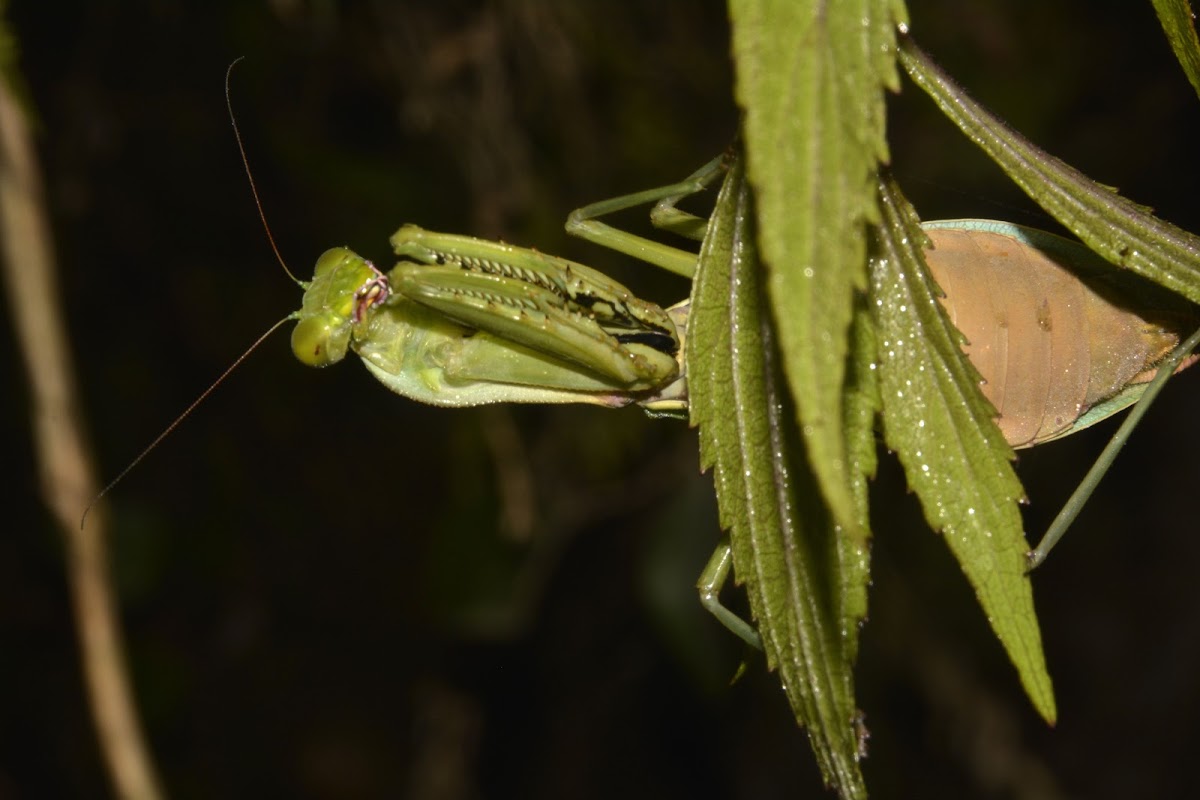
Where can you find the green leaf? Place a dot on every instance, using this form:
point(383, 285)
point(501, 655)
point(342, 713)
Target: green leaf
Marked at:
point(940, 427)
point(1121, 231)
point(862, 405)
point(806, 580)
point(810, 77)
point(1180, 27)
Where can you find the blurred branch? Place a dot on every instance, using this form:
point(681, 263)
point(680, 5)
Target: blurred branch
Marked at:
point(65, 466)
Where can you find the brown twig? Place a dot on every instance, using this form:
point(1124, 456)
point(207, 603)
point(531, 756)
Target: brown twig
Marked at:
point(67, 476)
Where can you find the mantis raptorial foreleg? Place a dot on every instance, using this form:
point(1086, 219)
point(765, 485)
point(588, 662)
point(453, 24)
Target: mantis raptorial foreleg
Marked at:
point(462, 321)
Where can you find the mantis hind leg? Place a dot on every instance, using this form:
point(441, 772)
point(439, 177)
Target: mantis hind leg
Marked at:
point(584, 222)
point(1088, 485)
point(712, 580)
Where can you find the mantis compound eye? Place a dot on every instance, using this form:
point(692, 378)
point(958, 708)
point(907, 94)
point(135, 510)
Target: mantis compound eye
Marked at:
point(321, 340)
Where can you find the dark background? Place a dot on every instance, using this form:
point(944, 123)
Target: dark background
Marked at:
point(329, 591)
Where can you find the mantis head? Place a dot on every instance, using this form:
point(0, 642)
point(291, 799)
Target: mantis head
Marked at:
point(344, 288)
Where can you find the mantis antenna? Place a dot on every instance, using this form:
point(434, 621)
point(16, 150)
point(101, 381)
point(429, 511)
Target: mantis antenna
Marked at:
point(175, 423)
point(238, 361)
point(237, 135)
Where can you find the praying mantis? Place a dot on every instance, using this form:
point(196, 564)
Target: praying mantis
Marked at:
point(463, 321)
point(468, 322)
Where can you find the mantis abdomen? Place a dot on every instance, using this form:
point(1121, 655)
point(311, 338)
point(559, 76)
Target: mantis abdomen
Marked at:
point(1057, 351)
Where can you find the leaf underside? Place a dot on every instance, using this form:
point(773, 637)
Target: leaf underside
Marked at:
point(941, 428)
point(811, 79)
point(805, 579)
point(813, 314)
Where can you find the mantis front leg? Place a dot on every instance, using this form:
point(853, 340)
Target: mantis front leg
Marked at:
point(461, 321)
